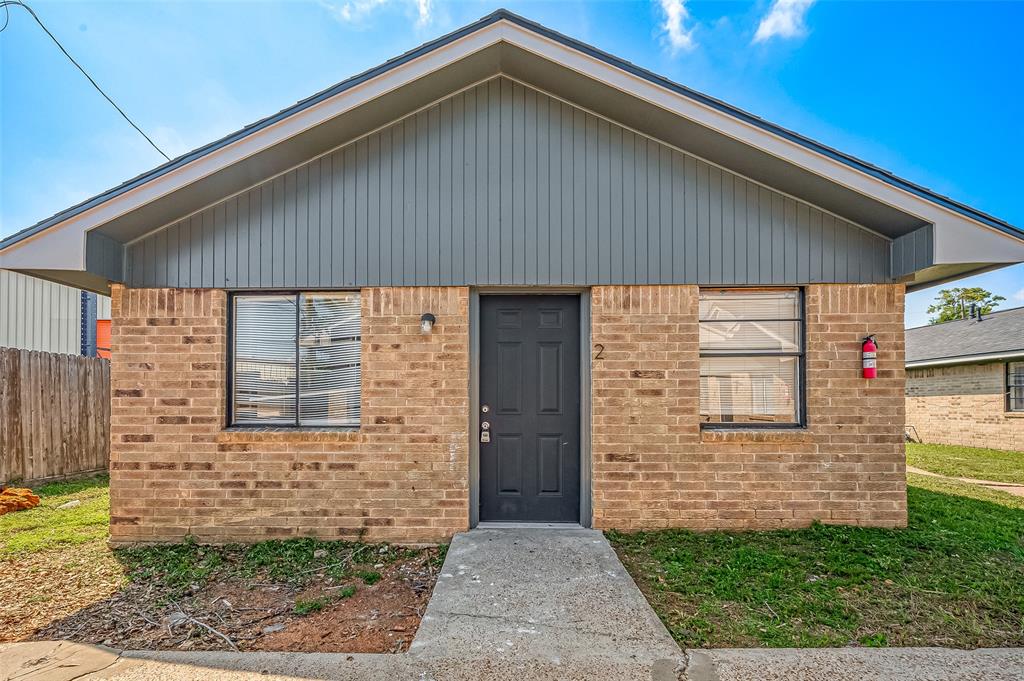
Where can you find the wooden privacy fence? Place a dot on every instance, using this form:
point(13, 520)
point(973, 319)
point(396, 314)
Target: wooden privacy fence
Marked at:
point(54, 415)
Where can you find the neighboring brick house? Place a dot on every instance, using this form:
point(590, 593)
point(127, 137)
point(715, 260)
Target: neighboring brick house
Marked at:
point(506, 277)
point(965, 381)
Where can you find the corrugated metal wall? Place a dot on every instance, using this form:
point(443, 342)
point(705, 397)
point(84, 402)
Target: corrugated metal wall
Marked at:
point(40, 315)
point(502, 184)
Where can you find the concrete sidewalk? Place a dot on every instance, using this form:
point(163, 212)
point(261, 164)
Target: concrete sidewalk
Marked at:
point(54, 661)
point(855, 664)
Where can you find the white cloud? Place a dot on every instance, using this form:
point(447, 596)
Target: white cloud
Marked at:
point(1019, 295)
point(424, 8)
point(355, 11)
point(785, 19)
point(676, 16)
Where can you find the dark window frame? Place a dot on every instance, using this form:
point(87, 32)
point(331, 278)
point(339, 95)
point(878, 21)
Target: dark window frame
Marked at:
point(801, 355)
point(230, 392)
point(1018, 383)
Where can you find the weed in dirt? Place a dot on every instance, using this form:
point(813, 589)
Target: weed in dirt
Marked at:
point(369, 577)
point(438, 559)
point(176, 566)
point(305, 606)
point(295, 562)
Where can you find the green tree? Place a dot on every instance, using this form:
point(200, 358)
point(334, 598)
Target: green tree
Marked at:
point(955, 303)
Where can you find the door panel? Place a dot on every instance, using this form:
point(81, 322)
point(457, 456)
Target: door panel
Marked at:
point(530, 386)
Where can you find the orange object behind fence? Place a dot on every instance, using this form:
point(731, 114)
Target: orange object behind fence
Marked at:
point(103, 338)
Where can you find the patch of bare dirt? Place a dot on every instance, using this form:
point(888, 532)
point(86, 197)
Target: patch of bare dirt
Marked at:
point(379, 618)
point(237, 613)
point(49, 586)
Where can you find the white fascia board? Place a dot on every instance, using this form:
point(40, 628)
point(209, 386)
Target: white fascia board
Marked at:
point(63, 245)
point(960, 243)
point(58, 248)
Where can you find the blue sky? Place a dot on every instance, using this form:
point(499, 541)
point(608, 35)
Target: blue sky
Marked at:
point(931, 91)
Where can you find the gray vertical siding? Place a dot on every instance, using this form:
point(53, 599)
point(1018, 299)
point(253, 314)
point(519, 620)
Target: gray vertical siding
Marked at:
point(502, 184)
point(913, 251)
point(104, 256)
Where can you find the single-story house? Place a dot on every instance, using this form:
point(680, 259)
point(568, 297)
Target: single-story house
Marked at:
point(507, 277)
point(965, 381)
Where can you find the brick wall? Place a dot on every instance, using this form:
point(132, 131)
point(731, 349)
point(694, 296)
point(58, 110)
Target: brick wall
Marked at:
point(963, 405)
point(404, 476)
point(654, 467)
point(175, 469)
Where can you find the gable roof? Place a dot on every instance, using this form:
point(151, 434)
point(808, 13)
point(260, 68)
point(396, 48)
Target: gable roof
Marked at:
point(498, 15)
point(999, 335)
point(193, 180)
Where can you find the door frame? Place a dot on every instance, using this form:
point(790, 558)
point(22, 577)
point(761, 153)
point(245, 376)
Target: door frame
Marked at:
point(583, 293)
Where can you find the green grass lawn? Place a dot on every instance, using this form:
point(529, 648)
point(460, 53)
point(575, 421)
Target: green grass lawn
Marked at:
point(44, 527)
point(954, 577)
point(968, 462)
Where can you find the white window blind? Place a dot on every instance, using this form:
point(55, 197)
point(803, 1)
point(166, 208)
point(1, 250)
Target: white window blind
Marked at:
point(1015, 386)
point(751, 346)
point(329, 359)
point(297, 359)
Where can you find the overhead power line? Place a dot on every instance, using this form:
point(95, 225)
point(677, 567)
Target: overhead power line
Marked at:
point(18, 3)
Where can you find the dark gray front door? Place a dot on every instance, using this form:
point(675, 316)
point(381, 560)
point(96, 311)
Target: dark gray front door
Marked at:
point(530, 398)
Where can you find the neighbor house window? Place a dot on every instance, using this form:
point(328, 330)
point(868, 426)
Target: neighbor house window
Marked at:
point(296, 359)
point(751, 357)
point(1015, 386)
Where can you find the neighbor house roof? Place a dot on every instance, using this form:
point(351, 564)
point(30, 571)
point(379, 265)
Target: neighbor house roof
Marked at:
point(934, 237)
point(999, 335)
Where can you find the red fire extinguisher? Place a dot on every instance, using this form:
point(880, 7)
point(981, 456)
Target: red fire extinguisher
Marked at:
point(869, 352)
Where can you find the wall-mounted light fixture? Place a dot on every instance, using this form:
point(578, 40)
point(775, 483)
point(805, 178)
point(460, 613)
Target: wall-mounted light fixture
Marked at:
point(427, 323)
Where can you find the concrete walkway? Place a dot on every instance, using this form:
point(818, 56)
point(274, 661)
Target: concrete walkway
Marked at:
point(555, 595)
point(1015, 489)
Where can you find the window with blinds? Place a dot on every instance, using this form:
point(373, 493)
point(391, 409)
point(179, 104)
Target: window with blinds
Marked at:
point(751, 357)
point(296, 359)
point(1015, 386)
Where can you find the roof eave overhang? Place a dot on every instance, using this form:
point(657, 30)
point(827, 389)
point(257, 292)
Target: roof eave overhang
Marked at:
point(967, 359)
point(60, 242)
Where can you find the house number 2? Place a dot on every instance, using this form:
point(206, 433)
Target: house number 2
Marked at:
point(600, 351)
